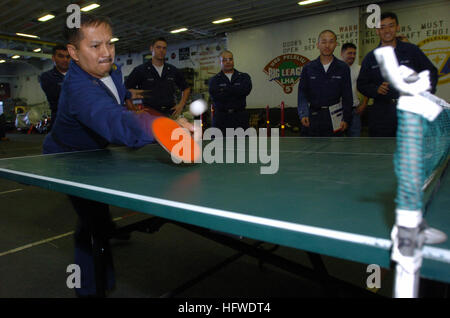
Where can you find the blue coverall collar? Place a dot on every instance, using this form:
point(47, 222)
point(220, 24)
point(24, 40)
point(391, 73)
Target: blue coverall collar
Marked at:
point(318, 60)
point(235, 73)
point(56, 71)
point(78, 71)
point(320, 65)
point(400, 45)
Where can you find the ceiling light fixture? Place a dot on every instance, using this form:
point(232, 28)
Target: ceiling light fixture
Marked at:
point(46, 17)
point(178, 30)
point(222, 20)
point(90, 7)
point(306, 2)
point(28, 35)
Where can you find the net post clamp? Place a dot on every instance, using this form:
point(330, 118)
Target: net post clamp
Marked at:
point(406, 234)
point(419, 105)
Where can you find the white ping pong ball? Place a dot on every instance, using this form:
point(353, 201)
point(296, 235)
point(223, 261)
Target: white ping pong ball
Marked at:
point(197, 107)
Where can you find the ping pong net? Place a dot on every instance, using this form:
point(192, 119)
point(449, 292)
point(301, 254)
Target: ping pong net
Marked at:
point(421, 157)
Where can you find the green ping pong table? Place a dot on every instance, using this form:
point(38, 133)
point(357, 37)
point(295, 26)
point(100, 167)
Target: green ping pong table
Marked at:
point(330, 196)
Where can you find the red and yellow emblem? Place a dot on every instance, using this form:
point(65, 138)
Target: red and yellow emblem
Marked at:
point(285, 70)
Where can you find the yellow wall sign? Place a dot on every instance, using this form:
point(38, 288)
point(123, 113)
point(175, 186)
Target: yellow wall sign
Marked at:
point(437, 49)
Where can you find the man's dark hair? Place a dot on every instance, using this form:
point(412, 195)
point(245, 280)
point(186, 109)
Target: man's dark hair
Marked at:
point(325, 31)
point(347, 45)
point(74, 35)
point(158, 39)
point(58, 48)
point(391, 15)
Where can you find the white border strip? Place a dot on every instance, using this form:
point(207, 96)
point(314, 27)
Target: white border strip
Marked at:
point(50, 154)
point(436, 254)
point(336, 235)
point(317, 152)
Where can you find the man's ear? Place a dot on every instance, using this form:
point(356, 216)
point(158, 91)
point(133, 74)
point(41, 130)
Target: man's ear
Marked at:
point(73, 52)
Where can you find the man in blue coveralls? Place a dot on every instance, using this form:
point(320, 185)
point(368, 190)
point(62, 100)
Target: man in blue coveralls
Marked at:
point(159, 80)
point(229, 89)
point(325, 93)
point(91, 114)
point(383, 113)
point(52, 80)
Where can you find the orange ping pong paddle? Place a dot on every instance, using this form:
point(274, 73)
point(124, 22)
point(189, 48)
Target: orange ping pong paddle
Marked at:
point(175, 140)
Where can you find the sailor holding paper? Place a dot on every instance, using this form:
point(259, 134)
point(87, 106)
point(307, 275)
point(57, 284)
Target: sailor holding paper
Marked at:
point(325, 92)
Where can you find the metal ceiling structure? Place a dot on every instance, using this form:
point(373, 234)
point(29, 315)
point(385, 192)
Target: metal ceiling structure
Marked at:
point(136, 22)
